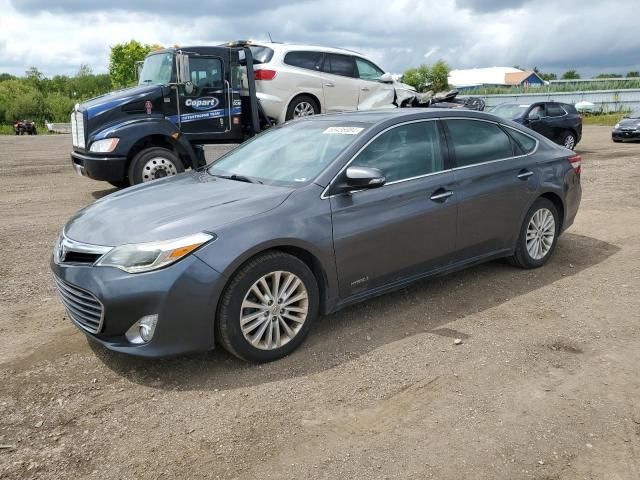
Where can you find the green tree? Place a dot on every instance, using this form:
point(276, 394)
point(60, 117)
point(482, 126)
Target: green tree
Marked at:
point(20, 100)
point(548, 76)
point(6, 76)
point(58, 107)
point(608, 75)
point(122, 62)
point(427, 77)
point(633, 74)
point(570, 75)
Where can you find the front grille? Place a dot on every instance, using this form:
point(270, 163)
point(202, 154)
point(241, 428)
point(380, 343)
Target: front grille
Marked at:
point(77, 129)
point(82, 306)
point(80, 257)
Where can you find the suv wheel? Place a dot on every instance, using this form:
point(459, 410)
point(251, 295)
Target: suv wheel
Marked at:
point(569, 140)
point(302, 106)
point(538, 235)
point(153, 163)
point(268, 307)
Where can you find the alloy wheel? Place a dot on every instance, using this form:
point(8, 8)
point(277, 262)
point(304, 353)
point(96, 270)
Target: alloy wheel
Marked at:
point(541, 233)
point(303, 109)
point(569, 142)
point(274, 310)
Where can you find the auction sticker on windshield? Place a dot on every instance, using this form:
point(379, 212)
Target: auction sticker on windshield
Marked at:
point(344, 130)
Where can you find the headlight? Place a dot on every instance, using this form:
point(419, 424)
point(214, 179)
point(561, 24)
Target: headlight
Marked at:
point(617, 126)
point(104, 146)
point(143, 257)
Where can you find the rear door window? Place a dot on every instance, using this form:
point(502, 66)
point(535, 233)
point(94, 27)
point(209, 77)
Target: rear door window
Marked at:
point(406, 151)
point(308, 60)
point(555, 110)
point(476, 141)
point(339, 65)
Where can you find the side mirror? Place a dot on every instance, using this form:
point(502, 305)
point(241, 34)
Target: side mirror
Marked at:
point(182, 68)
point(386, 78)
point(360, 178)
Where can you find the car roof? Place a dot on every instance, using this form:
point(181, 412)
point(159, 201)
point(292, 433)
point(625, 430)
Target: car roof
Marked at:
point(402, 114)
point(301, 46)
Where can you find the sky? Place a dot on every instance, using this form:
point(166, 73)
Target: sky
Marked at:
point(57, 36)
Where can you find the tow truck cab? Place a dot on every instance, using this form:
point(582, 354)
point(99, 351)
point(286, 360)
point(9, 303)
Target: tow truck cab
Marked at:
point(185, 97)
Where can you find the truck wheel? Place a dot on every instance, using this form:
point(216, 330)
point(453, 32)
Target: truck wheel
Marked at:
point(302, 106)
point(153, 163)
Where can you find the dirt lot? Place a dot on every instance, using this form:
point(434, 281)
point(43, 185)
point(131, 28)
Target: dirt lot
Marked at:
point(546, 384)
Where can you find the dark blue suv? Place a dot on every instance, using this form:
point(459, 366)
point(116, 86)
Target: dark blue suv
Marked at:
point(559, 122)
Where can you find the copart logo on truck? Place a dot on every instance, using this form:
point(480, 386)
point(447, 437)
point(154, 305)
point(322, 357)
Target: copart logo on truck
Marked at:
point(202, 103)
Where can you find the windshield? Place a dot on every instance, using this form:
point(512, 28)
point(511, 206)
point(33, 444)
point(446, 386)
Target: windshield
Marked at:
point(509, 110)
point(291, 155)
point(156, 69)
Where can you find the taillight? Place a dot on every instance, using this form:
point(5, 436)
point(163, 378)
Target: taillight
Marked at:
point(264, 74)
point(576, 163)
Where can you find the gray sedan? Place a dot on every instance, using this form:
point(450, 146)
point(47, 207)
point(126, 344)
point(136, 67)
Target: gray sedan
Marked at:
point(306, 219)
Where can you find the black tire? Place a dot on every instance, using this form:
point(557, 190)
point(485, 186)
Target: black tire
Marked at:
point(120, 183)
point(35, 132)
point(617, 141)
point(299, 101)
point(167, 162)
point(568, 138)
point(521, 257)
point(17, 132)
point(230, 334)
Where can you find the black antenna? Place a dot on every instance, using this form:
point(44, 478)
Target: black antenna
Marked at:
point(270, 39)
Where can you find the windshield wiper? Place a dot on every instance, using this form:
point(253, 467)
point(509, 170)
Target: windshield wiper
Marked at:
point(239, 178)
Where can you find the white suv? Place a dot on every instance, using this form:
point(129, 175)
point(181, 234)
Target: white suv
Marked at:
point(298, 80)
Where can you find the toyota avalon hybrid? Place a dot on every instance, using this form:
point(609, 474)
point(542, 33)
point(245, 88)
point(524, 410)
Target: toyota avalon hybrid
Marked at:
point(308, 218)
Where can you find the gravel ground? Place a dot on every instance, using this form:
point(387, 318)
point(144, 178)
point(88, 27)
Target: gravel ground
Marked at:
point(546, 384)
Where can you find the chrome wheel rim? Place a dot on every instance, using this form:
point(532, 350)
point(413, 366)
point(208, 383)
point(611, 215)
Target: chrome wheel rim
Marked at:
point(541, 232)
point(303, 109)
point(569, 142)
point(158, 167)
point(274, 310)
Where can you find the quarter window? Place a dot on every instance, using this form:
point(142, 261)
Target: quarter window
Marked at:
point(367, 70)
point(525, 141)
point(308, 60)
point(404, 152)
point(338, 65)
point(476, 142)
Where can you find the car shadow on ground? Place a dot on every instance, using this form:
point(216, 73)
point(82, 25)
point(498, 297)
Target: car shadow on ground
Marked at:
point(426, 306)
point(98, 194)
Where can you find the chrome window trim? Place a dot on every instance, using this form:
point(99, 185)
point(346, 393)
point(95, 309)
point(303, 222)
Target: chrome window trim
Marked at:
point(324, 196)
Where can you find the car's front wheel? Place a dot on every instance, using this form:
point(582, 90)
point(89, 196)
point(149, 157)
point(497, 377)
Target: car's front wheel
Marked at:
point(153, 163)
point(538, 235)
point(268, 307)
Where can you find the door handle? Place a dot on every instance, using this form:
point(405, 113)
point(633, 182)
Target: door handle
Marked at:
point(524, 174)
point(329, 84)
point(365, 89)
point(440, 195)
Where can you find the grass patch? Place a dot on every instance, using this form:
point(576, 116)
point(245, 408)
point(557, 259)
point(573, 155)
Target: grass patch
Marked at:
point(606, 119)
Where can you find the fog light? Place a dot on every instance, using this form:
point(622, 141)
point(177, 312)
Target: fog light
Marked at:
point(142, 331)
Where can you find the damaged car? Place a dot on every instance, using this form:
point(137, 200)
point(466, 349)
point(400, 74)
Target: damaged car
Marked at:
point(295, 81)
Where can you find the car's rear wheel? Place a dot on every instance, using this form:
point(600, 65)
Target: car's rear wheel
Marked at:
point(268, 307)
point(568, 140)
point(538, 235)
point(153, 163)
point(302, 106)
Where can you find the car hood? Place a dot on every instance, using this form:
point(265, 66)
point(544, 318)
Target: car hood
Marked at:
point(171, 208)
point(629, 122)
point(113, 100)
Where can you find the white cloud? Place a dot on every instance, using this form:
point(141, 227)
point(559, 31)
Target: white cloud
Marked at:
point(58, 35)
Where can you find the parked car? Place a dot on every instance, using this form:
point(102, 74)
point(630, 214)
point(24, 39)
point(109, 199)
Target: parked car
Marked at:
point(298, 80)
point(627, 129)
point(308, 218)
point(20, 127)
point(557, 121)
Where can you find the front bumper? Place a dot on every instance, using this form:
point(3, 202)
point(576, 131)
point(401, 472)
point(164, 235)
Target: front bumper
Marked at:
point(110, 169)
point(626, 135)
point(183, 295)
